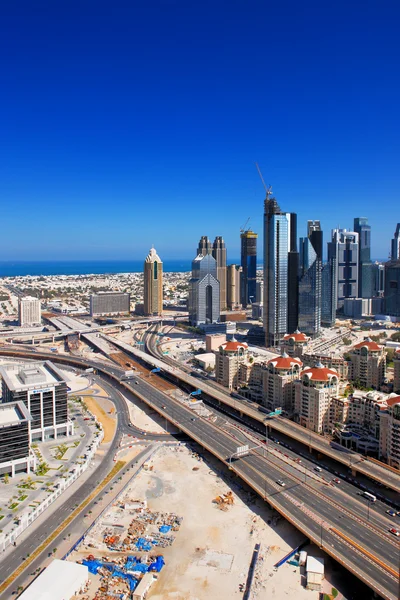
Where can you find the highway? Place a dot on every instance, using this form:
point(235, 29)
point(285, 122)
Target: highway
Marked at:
point(370, 553)
point(378, 472)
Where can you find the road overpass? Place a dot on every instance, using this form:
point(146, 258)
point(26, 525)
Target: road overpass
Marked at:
point(357, 463)
point(368, 551)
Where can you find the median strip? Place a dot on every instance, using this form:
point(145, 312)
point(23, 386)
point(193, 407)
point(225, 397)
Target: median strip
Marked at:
point(7, 582)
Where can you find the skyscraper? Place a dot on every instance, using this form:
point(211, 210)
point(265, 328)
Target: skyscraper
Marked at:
point(343, 250)
point(29, 311)
point(234, 274)
point(293, 276)
point(219, 253)
point(248, 241)
point(366, 269)
point(153, 284)
point(277, 245)
point(204, 291)
point(204, 246)
point(392, 288)
point(395, 251)
point(328, 293)
point(310, 284)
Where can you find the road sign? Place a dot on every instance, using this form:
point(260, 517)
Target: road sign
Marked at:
point(242, 450)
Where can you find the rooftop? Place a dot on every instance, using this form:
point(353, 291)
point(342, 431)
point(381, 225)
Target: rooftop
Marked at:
point(233, 346)
point(319, 373)
point(393, 400)
point(297, 336)
point(13, 413)
point(371, 345)
point(31, 375)
point(284, 362)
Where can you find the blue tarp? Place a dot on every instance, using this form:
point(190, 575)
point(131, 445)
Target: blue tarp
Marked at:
point(165, 528)
point(143, 544)
point(157, 565)
point(92, 565)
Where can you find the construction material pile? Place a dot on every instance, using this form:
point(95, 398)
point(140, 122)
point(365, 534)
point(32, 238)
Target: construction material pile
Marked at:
point(224, 501)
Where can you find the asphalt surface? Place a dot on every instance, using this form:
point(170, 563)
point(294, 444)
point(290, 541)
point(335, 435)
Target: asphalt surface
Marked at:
point(313, 513)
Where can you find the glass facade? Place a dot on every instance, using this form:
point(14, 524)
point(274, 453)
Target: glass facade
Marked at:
point(309, 289)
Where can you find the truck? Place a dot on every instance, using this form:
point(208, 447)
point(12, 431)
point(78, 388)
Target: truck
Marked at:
point(129, 373)
point(89, 370)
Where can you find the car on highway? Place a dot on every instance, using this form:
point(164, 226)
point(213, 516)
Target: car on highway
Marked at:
point(192, 419)
point(281, 483)
point(336, 480)
point(318, 469)
point(136, 383)
point(391, 513)
point(163, 407)
point(394, 531)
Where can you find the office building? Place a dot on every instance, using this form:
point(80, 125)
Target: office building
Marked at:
point(328, 293)
point(395, 248)
point(15, 452)
point(278, 379)
point(204, 246)
point(109, 303)
point(344, 251)
point(310, 285)
point(41, 386)
point(234, 276)
point(396, 380)
point(227, 361)
point(204, 305)
point(367, 366)
point(280, 272)
point(379, 279)
point(219, 253)
point(29, 311)
point(392, 288)
point(390, 432)
point(153, 284)
point(366, 269)
point(313, 393)
point(248, 242)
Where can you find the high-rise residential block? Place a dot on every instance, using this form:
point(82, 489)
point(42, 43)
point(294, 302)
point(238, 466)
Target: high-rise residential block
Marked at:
point(278, 379)
point(280, 272)
point(392, 288)
point(313, 394)
point(153, 284)
point(344, 251)
point(310, 281)
point(204, 305)
point(109, 303)
point(29, 311)
point(43, 390)
point(396, 380)
point(248, 253)
point(395, 247)
point(390, 432)
point(367, 364)
point(219, 253)
point(234, 275)
point(227, 362)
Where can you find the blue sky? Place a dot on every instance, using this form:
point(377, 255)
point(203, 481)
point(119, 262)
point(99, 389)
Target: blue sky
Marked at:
point(126, 124)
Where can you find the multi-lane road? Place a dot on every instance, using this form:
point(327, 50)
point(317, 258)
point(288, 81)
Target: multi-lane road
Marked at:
point(335, 523)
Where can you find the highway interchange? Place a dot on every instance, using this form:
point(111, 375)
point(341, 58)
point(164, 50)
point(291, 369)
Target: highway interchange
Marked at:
point(331, 518)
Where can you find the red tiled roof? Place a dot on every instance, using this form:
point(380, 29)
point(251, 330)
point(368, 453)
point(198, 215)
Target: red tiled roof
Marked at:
point(298, 337)
point(234, 346)
point(370, 345)
point(319, 373)
point(285, 362)
point(394, 400)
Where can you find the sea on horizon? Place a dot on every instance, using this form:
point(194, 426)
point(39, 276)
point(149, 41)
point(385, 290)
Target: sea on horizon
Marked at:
point(87, 267)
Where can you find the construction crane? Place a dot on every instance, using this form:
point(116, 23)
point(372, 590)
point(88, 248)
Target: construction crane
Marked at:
point(243, 228)
point(268, 189)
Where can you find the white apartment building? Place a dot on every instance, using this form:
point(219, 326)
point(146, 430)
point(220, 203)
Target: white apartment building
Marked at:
point(313, 393)
point(368, 364)
point(390, 432)
point(29, 311)
point(279, 376)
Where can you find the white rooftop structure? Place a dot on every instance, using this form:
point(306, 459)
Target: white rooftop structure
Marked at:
point(37, 375)
point(60, 581)
point(12, 413)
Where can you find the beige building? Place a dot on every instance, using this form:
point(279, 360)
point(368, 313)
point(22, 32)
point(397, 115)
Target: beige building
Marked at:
point(29, 311)
point(294, 344)
point(279, 375)
point(153, 284)
point(396, 380)
point(214, 340)
point(313, 394)
point(367, 364)
point(233, 286)
point(227, 362)
point(390, 432)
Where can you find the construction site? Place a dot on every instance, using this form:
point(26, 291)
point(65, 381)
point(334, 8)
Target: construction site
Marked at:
point(186, 529)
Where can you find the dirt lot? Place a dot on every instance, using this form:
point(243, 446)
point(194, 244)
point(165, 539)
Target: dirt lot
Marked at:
point(212, 551)
point(109, 423)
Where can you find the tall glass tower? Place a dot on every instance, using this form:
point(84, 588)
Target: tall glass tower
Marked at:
point(219, 253)
point(395, 250)
point(278, 243)
point(248, 243)
point(366, 269)
point(310, 274)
